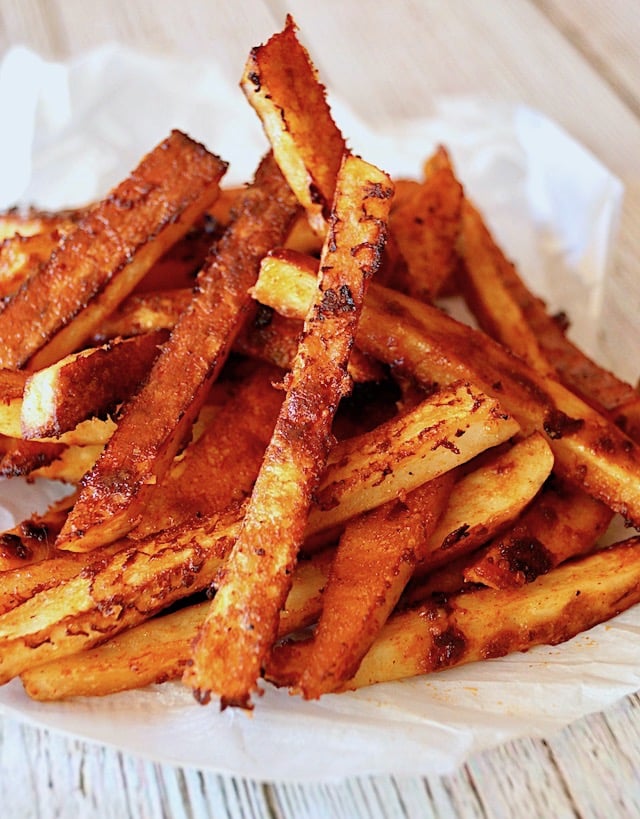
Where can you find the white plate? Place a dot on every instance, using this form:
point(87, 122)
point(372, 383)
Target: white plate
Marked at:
point(554, 208)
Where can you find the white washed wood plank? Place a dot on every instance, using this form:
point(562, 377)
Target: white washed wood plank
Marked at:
point(608, 35)
point(601, 775)
point(520, 779)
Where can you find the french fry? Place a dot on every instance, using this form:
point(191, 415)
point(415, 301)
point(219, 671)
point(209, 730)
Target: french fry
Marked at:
point(33, 539)
point(83, 385)
point(562, 522)
point(241, 627)
point(31, 221)
point(281, 84)
point(490, 623)
point(112, 592)
point(435, 348)
point(23, 256)
point(24, 458)
point(426, 227)
point(144, 312)
point(217, 470)
point(508, 311)
point(158, 649)
point(444, 431)
point(373, 562)
point(101, 261)
point(12, 385)
point(486, 499)
point(139, 453)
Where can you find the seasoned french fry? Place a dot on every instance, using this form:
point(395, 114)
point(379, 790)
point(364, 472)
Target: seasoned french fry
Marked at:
point(22, 256)
point(435, 348)
point(111, 593)
point(238, 633)
point(101, 261)
point(22, 458)
point(158, 649)
point(494, 287)
point(139, 453)
point(33, 539)
point(562, 522)
point(281, 84)
point(374, 560)
point(12, 385)
point(144, 312)
point(444, 431)
point(491, 623)
point(426, 227)
point(218, 470)
point(85, 385)
point(486, 499)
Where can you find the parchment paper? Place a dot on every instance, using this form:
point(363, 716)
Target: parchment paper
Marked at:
point(76, 131)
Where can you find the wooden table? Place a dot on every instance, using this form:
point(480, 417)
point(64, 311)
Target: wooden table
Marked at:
point(578, 61)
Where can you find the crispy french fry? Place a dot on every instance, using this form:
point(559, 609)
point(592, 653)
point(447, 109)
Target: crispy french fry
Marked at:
point(22, 256)
point(562, 522)
point(157, 650)
point(491, 623)
point(486, 499)
point(139, 452)
point(111, 593)
point(435, 348)
point(492, 280)
point(444, 431)
point(24, 458)
point(426, 227)
point(144, 312)
point(31, 221)
point(33, 539)
point(241, 627)
point(101, 261)
point(281, 84)
point(217, 470)
point(373, 562)
point(84, 385)
point(12, 385)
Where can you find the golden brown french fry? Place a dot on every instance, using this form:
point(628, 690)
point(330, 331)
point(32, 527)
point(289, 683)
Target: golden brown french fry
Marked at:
point(488, 296)
point(562, 522)
point(143, 312)
point(490, 623)
point(281, 84)
point(12, 384)
point(22, 256)
point(83, 385)
point(217, 470)
point(435, 348)
point(486, 499)
point(23, 458)
point(102, 260)
point(32, 540)
point(445, 430)
point(241, 627)
point(374, 560)
point(426, 227)
point(139, 452)
point(159, 649)
point(112, 594)
point(575, 369)
point(31, 221)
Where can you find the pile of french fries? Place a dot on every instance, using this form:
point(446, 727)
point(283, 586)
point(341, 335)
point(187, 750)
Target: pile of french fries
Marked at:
point(285, 461)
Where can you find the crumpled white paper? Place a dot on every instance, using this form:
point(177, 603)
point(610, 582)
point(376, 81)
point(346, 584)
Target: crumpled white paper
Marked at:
point(75, 131)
